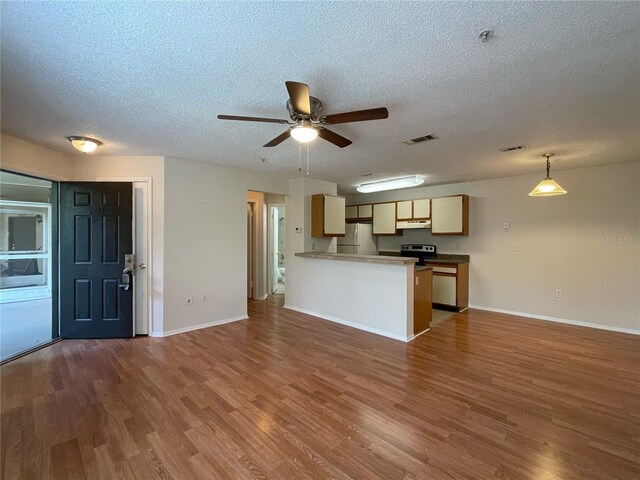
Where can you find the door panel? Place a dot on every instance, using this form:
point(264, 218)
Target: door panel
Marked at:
point(95, 236)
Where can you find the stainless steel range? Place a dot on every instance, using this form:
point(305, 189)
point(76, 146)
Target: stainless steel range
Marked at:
point(418, 250)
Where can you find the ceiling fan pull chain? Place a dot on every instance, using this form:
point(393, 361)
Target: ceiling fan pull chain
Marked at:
point(299, 158)
point(307, 159)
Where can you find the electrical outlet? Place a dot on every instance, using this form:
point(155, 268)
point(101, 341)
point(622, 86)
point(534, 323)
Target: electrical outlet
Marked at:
point(514, 248)
point(506, 225)
point(313, 247)
point(558, 293)
point(203, 297)
point(189, 300)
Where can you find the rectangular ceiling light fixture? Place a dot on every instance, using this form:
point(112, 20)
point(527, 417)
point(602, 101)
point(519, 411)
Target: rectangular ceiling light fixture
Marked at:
point(392, 184)
point(424, 138)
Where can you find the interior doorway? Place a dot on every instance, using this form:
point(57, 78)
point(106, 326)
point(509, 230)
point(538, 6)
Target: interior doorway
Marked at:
point(277, 219)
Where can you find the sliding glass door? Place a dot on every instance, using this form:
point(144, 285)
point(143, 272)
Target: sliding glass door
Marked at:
point(28, 263)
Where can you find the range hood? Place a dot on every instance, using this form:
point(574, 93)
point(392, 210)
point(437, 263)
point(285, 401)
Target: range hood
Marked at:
point(405, 225)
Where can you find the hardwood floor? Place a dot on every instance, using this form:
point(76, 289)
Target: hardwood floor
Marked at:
point(288, 396)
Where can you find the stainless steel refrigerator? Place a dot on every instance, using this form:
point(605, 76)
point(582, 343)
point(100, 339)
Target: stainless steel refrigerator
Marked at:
point(358, 239)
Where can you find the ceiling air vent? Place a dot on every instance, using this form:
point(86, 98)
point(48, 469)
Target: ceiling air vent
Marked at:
point(424, 138)
point(512, 149)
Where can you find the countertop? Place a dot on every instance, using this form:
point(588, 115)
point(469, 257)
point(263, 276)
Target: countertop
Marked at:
point(450, 258)
point(382, 259)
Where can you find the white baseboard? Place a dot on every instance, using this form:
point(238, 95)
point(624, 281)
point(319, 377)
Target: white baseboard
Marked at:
point(359, 326)
point(560, 320)
point(190, 328)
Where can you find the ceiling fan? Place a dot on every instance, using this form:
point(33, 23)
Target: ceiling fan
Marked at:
point(307, 120)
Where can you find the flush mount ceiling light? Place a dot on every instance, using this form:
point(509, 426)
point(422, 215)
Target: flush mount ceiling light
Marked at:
point(547, 187)
point(392, 184)
point(84, 144)
point(304, 132)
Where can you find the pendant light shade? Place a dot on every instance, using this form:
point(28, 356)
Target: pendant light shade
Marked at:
point(548, 186)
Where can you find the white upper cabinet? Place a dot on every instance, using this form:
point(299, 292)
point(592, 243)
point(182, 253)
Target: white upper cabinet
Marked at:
point(422, 209)
point(327, 216)
point(334, 215)
point(405, 210)
point(351, 212)
point(365, 211)
point(384, 218)
point(450, 215)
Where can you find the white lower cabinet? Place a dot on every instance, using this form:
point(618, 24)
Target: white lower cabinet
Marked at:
point(444, 290)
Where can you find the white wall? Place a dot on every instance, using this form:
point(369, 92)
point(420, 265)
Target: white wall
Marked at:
point(585, 243)
point(275, 198)
point(95, 167)
point(205, 241)
point(25, 157)
point(298, 211)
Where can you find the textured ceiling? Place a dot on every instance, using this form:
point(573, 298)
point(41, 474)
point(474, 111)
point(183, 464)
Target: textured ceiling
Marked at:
point(149, 79)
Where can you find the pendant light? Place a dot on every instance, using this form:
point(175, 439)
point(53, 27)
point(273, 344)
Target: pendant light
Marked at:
point(548, 186)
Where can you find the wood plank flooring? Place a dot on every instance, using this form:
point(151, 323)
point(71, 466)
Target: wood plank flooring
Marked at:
point(288, 396)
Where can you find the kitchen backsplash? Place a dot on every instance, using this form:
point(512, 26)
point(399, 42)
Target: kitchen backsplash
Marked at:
point(444, 244)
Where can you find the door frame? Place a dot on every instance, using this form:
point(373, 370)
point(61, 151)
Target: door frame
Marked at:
point(148, 205)
point(251, 248)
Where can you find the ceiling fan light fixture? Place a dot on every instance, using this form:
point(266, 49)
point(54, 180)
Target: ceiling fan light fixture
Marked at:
point(391, 184)
point(548, 186)
point(304, 133)
point(84, 144)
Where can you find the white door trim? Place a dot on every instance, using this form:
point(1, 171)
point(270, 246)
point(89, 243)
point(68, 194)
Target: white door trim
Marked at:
point(149, 247)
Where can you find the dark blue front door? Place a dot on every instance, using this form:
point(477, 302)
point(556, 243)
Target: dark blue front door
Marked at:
point(95, 236)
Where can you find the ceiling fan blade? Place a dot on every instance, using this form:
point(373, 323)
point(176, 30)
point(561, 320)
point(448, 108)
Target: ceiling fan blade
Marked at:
point(278, 140)
point(253, 119)
point(356, 116)
point(299, 95)
point(333, 137)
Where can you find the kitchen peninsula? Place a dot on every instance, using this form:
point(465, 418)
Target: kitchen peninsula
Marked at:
point(374, 293)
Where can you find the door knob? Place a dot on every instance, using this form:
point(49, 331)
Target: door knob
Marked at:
point(142, 266)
